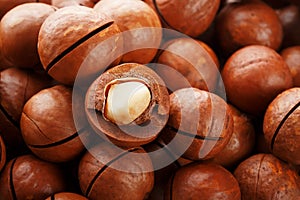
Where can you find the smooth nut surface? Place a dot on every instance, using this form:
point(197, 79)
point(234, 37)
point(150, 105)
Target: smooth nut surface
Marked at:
point(27, 177)
point(253, 76)
point(126, 100)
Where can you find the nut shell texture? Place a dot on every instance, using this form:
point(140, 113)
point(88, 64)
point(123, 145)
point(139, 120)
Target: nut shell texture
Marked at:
point(281, 126)
point(264, 176)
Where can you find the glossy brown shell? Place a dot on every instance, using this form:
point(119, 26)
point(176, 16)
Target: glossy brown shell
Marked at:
point(200, 121)
point(19, 30)
point(188, 63)
point(241, 142)
point(153, 119)
point(205, 181)
point(27, 177)
point(253, 76)
point(264, 176)
point(291, 56)
point(281, 126)
point(47, 125)
point(68, 39)
point(107, 172)
point(194, 18)
point(248, 23)
point(66, 196)
point(141, 45)
point(16, 87)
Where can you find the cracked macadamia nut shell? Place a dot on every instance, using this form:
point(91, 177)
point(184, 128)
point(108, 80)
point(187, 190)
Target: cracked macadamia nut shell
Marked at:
point(77, 38)
point(48, 127)
point(191, 17)
point(253, 76)
point(263, 176)
point(108, 172)
point(146, 127)
point(248, 23)
point(27, 177)
point(281, 126)
point(139, 24)
point(200, 124)
point(202, 181)
point(19, 29)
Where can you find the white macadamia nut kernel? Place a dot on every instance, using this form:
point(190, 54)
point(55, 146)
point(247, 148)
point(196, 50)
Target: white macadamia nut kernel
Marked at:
point(126, 101)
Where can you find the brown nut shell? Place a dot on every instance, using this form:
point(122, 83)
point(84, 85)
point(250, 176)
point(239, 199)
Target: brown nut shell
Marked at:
point(281, 126)
point(16, 87)
point(19, 30)
point(253, 76)
point(27, 177)
point(140, 26)
point(107, 172)
point(208, 181)
point(146, 127)
point(248, 23)
point(200, 123)
point(2, 154)
point(264, 176)
point(291, 56)
point(192, 60)
point(66, 196)
point(75, 37)
point(52, 136)
point(194, 18)
point(241, 142)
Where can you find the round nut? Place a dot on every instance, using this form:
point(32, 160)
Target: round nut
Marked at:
point(73, 38)
point(263, 176)
point(128, 127)
point(281, 126)
point(253, 76)
point(200, 124)
point(187, 63)
point(208, 181)
point(240, 24)
point(19, 30)
point(52, 137)
point(140, 26)
point(27, 177)
point(107, 172)
point(195, 15)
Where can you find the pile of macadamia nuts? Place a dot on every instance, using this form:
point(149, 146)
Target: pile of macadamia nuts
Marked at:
point(153, 99)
